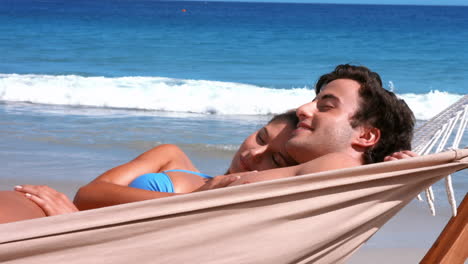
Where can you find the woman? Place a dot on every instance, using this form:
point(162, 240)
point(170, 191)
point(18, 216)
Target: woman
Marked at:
point(264, 149)
point(167, 171)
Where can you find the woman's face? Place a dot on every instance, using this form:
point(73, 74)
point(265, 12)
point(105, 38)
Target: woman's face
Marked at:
point(264, 149)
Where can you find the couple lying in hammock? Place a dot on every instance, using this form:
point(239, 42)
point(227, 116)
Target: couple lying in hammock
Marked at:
point(352, 121)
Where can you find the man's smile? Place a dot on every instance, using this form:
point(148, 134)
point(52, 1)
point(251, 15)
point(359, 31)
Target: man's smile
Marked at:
point(303, 126)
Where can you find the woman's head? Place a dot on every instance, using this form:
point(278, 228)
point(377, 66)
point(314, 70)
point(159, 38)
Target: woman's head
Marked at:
point(265, 149)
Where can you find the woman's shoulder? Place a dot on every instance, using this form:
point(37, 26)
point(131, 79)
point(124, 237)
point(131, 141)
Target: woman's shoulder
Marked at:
point(162, 152)
point(174, 156)
point(166, 148)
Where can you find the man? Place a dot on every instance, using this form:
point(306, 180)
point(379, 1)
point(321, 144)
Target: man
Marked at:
point(352, 114)
point(352, 121)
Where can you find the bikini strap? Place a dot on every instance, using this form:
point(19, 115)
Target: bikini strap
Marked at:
point(192, 172)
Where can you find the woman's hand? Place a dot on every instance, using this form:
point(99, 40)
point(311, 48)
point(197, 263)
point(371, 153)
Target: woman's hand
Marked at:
point(220, 181)
point(49, 200)
point(401, 155)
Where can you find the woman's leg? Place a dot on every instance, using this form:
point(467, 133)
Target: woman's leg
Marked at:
point(15, 206)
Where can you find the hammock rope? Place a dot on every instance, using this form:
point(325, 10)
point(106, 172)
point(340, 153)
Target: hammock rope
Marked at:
point(439, 130)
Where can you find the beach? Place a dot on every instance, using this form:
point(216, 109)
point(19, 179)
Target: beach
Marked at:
point(86, 87)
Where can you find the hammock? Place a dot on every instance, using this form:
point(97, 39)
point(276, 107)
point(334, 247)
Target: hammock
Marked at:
point(436, 133)
point(317, 218)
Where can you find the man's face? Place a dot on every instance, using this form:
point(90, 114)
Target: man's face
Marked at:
point(324, 124)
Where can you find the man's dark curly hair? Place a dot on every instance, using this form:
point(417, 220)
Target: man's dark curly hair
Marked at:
point(378, 108)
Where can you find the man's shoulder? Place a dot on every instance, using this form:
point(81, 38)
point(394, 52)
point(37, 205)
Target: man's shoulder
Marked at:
point(340, 156)
point(331, 161)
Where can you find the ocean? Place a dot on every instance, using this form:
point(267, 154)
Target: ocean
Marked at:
point(87, 85)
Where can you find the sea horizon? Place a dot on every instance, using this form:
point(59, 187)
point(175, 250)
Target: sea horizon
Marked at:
point(303, 2)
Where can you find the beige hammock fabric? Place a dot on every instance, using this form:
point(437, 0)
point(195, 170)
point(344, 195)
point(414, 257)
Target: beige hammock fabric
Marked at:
point(317, 218)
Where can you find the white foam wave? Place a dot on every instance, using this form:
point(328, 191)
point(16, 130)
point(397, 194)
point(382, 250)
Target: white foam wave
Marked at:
point(229, 148)
point(151, 93)
point(425, 106)
point(176, 95)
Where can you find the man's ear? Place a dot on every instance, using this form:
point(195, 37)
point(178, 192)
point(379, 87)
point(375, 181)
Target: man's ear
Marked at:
point(368, 137)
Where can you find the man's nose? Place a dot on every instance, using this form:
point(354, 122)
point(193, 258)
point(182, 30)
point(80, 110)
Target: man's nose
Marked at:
point(306, 110)
point(256, 153)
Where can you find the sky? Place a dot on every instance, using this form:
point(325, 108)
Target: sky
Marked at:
point(391, 2)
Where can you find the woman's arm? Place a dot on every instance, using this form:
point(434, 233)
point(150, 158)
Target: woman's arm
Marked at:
point(161, 158)
point(100, 194)
point(111, 187)
point(327, 162)
point(401, 155)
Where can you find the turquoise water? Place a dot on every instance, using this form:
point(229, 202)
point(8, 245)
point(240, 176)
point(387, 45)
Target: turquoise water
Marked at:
point(270, 45)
